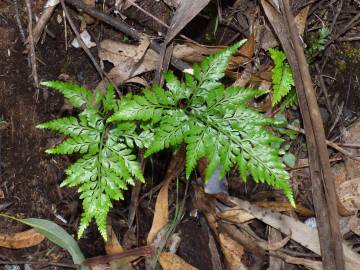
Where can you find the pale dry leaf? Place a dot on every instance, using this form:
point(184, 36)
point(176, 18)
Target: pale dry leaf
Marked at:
point(123, 57)
point(301, 233)
point(161, 215)
point(301, 18)
point(349, 194)
point(171, 261)
point(236, 215)
point(232, 251)
point(20, 240)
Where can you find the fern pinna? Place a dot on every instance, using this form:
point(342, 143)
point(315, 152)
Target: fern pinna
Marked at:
point(212, 121)
point(108, 163)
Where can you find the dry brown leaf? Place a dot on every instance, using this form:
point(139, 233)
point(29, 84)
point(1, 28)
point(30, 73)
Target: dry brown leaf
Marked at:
point(349, 194)
point(161, 215)
point(285, 206)
point(19, 240)
point(232, 251)
point(245, 53)
point(112, 246)
point(171, 261)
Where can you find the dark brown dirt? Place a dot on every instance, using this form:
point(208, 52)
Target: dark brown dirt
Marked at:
point(29, 178)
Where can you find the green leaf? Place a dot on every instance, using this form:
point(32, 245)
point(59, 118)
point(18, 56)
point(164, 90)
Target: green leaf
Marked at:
point(55, 234)
point(289, 159)
point(76, 94)
point(281, 76)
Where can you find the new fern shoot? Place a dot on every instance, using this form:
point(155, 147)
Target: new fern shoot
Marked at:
point(211, 120)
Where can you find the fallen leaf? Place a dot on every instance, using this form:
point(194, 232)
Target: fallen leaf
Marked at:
point(285, 206)
point(349, 194)
point(20, 240)
point(171, 261)
point(301, 233)
point(184, 13)
point(236, 215)
point(161, 215)
point(232, 251)
point(112, 246)
point(244, 55)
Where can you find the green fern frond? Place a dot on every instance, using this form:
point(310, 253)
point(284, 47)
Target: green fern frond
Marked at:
point(76, 94)
point(281, 76)
point(108, 164)
point(213, 122)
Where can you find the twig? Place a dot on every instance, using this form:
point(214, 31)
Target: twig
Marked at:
point(324, 89)
point(18, 21)
point(329, 230)
point(64, 265)
point(32, 48)
point(80, 41)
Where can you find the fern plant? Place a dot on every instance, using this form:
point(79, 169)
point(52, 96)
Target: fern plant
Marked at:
point(212, 121)
point(283, 81)
point(108, 164)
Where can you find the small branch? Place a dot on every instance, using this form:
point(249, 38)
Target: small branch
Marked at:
point(329, 143)
point(31, 46)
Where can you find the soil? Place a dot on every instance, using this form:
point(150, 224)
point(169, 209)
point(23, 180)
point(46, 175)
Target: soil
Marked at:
point(29, 178)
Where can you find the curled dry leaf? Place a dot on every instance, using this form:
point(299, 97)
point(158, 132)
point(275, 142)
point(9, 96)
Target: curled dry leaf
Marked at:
point(171, 261)
point(232, 251)
point(161, 215)
point(19, 240)
point(244, 55)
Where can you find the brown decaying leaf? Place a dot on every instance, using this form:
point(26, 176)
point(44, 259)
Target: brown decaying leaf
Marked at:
point(19, 240)
point(236, 215)
point(171, 261)
point(285, 206)
point(349, 194)
point(232, 251)
point(112, 246)
point(244, 54)
point(161, 215)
